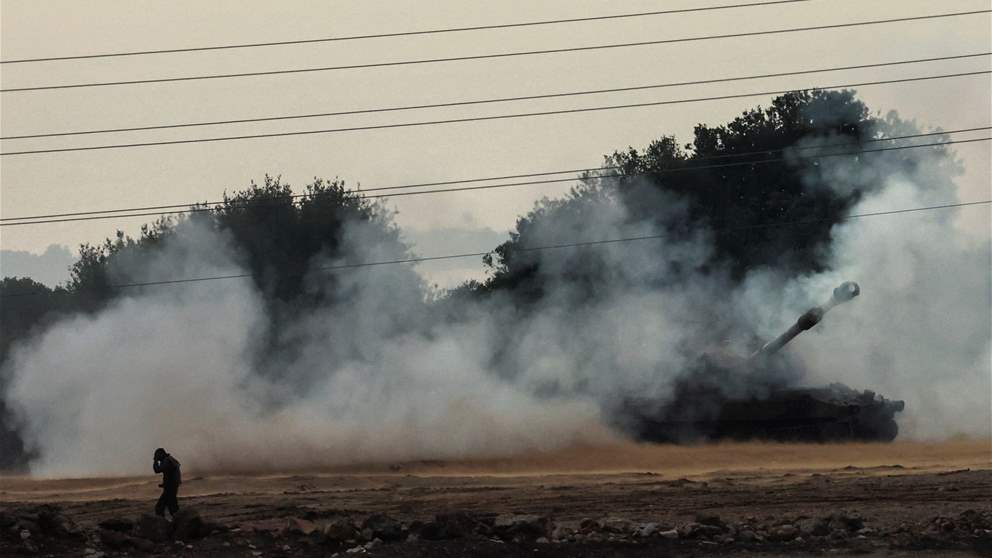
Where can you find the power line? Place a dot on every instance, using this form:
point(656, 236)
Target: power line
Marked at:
point(188, 205)
point(494, 55)
point(398, 34)
point(484, 118)
point(494, 100)
point(496, 186)
point(338, 267)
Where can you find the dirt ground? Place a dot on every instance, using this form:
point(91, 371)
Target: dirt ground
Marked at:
point(624, 500)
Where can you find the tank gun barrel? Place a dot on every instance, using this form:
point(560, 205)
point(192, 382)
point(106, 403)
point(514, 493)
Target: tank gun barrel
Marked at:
point(845, 292)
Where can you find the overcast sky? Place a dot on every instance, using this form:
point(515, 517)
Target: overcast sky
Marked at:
point(55, 183)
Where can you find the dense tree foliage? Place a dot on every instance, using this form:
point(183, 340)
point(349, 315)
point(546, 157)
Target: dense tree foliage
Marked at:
point(743, 181)
point(280, 232)
point(276, 232)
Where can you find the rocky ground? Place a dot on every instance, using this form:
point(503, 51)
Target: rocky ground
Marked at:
point(890, 510)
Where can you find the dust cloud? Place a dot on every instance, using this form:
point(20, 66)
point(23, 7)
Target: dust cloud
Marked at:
point(379, 375)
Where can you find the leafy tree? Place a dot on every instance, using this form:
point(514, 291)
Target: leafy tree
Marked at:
point(280, 233)
point(276, 233)
point(92, 278)
point(742, 181)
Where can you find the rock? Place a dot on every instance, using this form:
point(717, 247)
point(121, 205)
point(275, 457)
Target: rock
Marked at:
point(980, 520)
point(542, 540)
point(587, 526)
point(339, 530)
point(562, 533)
point(710, 519)
point(814, 527)
point(298, 527)
point(617, 525)
point(847, 521)
point(670, 534)
point(694, 530)
point(452, 526)
point(784, 533)
point(27, 524)
point(647, 530)
point(188, 525)
point(153, 528)
point(213, 527)
point(54, 523)
point(747, 535)
point(708, 531)
point(523, 526)
point(119, 524)
point(114, 540)
point(689, 530)
point(593, 538)
point(383, 527)
point(142, 544)
point(944, 524)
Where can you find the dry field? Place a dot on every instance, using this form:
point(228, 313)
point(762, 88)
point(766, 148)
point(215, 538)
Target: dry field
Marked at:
point(623, 500)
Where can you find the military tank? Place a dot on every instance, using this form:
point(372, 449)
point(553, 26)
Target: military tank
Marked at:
point(726, 397)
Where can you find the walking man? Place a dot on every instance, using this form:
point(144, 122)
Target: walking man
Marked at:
point(171, 479)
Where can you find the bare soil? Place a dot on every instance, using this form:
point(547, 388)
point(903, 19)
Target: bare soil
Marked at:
point(722, 499)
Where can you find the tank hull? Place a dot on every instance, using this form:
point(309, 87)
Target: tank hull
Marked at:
point(834, 413)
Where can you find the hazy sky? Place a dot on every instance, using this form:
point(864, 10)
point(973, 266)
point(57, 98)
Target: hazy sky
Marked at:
point(54, 183)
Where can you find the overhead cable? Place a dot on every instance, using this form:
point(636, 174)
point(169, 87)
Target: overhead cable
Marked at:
point(528, 183)
point(511, 176)
point(492, 100)
point(494, 55)
point(399, 33)
point(485, 118)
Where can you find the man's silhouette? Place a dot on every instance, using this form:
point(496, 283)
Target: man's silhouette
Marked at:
point(171, 479)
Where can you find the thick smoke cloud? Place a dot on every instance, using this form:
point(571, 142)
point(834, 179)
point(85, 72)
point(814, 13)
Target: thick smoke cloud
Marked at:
point(180, 368)
point(378, 373)
point(922, 331)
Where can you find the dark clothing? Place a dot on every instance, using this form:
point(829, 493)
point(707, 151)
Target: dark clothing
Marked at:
point(169, 467)
point(172, 477)
point(168, 500)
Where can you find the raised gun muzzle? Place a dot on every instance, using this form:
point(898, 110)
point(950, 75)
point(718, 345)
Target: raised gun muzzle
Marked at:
point(845, 292)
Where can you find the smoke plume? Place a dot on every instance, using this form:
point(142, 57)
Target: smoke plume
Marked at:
point(378, 373)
